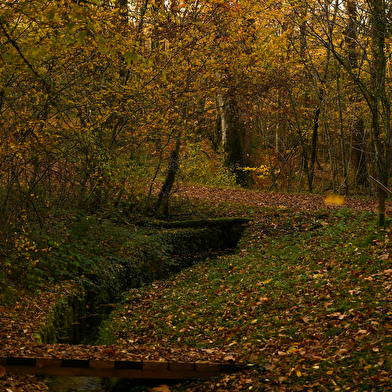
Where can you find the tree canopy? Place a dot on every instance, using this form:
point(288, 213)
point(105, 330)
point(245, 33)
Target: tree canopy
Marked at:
point(95, 96)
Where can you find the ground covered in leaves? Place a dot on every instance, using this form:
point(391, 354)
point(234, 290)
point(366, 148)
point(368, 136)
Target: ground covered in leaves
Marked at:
point(305, 299)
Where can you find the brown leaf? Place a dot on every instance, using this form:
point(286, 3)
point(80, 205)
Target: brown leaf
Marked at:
point(208, 350)
point(268, 366)
point(337, 315)
point(376, 378)
point(160, 388)
point(109, 352)
point(2, 371)
point(350, 344)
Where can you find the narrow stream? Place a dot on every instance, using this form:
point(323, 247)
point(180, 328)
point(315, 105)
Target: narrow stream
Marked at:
point(83, 331)
point(73, 384)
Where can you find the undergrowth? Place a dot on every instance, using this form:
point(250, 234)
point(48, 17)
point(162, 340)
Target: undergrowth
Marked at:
point(306, 300)
point(200, 164)
point(110, 249)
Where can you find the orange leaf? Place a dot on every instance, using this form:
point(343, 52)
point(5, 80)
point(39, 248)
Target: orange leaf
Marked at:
point(297, 370)
point(160, 388)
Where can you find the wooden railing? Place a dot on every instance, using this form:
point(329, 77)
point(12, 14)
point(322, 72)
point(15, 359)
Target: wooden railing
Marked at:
point(383, 192)
point(114, 368)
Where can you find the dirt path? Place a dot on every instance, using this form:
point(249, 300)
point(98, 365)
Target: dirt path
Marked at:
point(300, 202)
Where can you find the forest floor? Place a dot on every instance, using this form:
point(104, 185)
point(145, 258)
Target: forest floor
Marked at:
point(306, 299)
point(294, 201)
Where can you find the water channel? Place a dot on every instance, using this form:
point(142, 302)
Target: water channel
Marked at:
point(85, 331)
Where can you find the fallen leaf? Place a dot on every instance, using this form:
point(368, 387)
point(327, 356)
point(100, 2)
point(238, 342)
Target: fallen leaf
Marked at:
point(160, 388)
point(2, 371)
point(268, 366)
point(109, 352)
point(376, 378)
point(297, 370)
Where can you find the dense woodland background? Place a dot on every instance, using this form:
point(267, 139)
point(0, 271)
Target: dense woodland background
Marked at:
point(106, 104)
point(99, 98)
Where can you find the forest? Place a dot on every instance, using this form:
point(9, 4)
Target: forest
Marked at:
point(121, 117)
point(108, 104)
point(101, 99)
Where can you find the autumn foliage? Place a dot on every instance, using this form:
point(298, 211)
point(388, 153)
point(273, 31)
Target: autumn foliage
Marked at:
point(94, 96)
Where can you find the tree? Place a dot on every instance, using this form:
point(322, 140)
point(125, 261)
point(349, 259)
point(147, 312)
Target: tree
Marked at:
point(373, 89)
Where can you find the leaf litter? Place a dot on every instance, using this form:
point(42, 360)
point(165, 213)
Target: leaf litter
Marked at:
point(305, 300)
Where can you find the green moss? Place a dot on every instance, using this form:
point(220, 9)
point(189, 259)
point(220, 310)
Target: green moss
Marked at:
point(68, 308)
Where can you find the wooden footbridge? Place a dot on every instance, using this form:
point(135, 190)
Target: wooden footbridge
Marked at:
point(116, 368)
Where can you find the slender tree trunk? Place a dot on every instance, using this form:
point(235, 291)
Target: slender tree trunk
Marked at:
point(345, 182)
point(174, 164)
point(358, 130)
point(313, 153)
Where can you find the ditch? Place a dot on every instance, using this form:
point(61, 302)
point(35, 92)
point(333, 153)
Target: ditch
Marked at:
point(85, 328)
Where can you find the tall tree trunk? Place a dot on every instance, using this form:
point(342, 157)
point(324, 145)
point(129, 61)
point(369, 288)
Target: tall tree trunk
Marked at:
point(345, 182)
point(380, 105)
point(358, 129)
point(174, 164)
point(232, 129)
point(313, 153)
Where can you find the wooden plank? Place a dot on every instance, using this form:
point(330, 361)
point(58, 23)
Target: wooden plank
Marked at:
point(120, 369)
point(48, 362)
point(155, 365)
point(119, 373)
point(200, 223)
point(55, 371)
point(21, 361)
point(75, 363)
point(380, 186)
point(230, 367)
point(97, 364)
point(181, 366)
point(207, 367)
point(131, 365)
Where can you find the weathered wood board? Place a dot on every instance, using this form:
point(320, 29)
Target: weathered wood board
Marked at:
point(113, 368)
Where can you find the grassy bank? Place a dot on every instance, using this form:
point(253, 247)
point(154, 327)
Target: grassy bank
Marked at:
point(306, 300)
